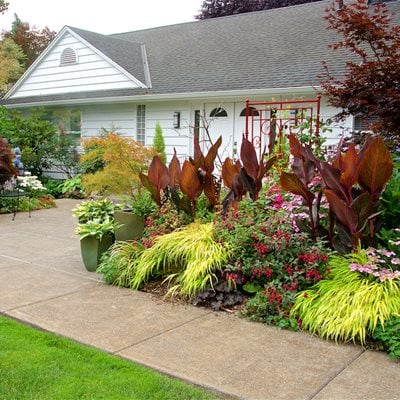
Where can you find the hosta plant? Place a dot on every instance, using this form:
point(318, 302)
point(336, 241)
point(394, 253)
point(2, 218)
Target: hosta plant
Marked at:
point(96, 228)
point(94, 209)
point(359, 295)
point(95, 218)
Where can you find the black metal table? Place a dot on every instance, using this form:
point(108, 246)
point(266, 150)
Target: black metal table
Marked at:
point(15, 195)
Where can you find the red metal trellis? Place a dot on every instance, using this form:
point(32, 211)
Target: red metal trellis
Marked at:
point(268, 122)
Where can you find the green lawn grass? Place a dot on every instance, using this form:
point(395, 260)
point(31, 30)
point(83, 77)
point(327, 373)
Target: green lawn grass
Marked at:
point(40, 365)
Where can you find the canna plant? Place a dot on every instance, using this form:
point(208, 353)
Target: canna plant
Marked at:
point(184, 184)
point(352, 185)
point(157, 179)
point(246, 176)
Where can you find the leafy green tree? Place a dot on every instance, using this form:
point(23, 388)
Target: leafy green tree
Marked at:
point(12, 64)
point(35, 136)
point(31, 40)
point(222, 8)
point(159, 144)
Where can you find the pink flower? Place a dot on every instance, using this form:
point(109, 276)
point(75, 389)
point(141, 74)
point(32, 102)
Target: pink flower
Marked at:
point(386, 253)
point(353, 266)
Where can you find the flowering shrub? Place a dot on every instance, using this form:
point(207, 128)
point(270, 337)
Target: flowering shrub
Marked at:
point(164, 220)
point(271, 257)
point(167, 218)
point(30, 184)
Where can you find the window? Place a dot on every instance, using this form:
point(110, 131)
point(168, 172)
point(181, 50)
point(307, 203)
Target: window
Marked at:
point(141, 124)
point(364, 123)
point(252, 111)
point(67, 122)
point(218, 112)
point(68, 56)
point(197, 119)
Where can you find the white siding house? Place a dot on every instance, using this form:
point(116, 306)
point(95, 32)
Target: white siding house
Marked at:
point(72, 65)
point(130, 81)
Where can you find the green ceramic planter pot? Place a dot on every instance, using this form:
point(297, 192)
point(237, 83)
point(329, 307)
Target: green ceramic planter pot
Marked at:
point(132, 226)
point(92, 250)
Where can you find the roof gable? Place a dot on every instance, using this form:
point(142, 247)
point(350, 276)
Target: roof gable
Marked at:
point(94, 70)
point(130, 56)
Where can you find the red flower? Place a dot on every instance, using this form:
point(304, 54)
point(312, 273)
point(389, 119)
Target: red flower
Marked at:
point(261, 248)
point(268, 272)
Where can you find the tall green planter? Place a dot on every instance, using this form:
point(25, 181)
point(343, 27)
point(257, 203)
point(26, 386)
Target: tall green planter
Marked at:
point(92, 249)
point(131, 226)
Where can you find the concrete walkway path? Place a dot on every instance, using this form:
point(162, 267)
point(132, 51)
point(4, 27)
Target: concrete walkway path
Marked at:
point(43, 282)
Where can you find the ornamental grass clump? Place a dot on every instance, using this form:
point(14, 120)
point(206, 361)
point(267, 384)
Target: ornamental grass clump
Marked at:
point(118, 264)
point(359, 295)
point(188, 258)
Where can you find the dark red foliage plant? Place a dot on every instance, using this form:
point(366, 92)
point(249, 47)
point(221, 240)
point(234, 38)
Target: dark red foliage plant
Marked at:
point(184, 184)
point(352, 184)
point(245, 176)
point(7, 168)
point(370, 86)
point(157, 179)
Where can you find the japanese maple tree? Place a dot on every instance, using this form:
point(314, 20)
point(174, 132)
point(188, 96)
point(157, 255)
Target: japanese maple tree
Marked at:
point(222, 8)
point(370, 86)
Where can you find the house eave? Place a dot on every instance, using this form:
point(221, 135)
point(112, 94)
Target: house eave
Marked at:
point(171, 96)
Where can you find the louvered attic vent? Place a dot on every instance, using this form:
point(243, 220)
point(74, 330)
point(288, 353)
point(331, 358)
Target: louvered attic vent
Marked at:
point(68, 56)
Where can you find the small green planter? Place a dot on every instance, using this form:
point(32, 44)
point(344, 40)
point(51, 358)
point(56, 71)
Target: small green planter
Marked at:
point(132, 226)
point(92, 249)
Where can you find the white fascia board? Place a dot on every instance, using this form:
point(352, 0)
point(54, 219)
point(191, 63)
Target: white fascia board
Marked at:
point(109, 60)
point(172, 96)
point(36, 62)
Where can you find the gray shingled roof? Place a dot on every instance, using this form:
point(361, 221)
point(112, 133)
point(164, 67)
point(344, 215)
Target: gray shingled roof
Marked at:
point(126, 54)
point(268, 49)
point(278, 48)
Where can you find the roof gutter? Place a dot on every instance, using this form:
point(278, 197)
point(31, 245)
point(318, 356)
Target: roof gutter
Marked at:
point(172, 96)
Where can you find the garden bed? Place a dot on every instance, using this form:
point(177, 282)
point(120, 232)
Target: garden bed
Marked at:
point(288, 247)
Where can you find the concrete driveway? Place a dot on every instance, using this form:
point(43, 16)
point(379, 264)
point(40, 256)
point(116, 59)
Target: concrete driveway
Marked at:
point(43, 282)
